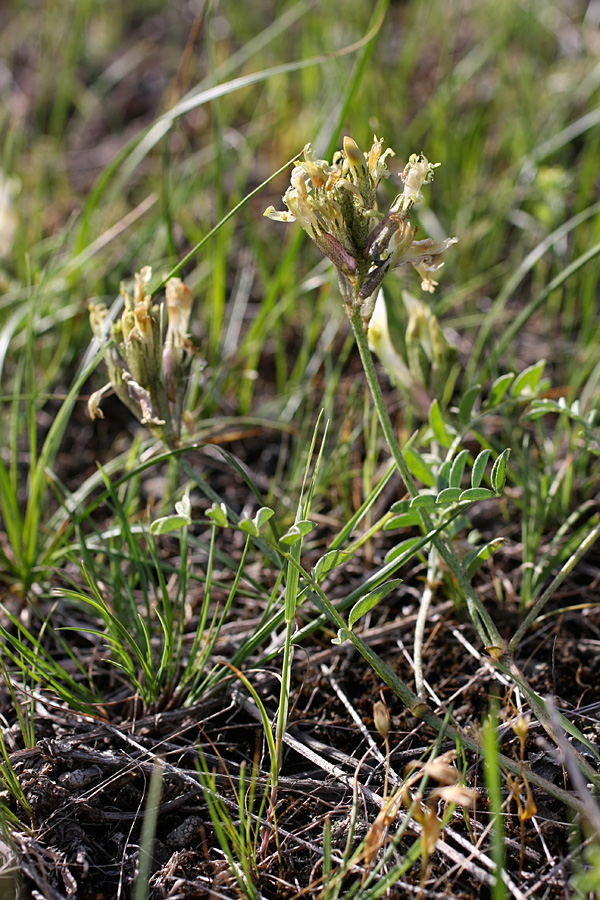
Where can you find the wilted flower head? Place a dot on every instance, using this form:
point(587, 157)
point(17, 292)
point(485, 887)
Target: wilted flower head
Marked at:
point(336, 205)
point(147, 370)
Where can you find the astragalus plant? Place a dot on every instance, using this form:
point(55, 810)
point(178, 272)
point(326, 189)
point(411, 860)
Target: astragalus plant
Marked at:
point(337, 207)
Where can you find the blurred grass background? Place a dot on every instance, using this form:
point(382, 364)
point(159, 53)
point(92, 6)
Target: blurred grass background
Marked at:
point(505, 95)
point(129, 130)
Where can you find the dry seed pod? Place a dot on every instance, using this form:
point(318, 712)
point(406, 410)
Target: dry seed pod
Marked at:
point(381, 717)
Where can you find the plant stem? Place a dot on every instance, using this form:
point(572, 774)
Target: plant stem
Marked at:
point(426, 598)
point(419, 709)
point(486, 629)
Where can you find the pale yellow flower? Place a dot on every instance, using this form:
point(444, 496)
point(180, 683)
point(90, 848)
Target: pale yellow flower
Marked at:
point(147, 368)
point(336, 205)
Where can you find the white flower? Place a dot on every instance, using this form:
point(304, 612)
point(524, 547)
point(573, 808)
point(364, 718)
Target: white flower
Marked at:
point(179, 309)
point(417, 172)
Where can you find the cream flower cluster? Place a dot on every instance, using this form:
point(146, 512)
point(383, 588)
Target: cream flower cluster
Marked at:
point(336, 205)
point(147, 371)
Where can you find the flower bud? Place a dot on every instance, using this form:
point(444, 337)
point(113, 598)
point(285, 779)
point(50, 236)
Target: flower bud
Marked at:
point(355, 157)
point(141, 280)
point(520, 726)
point(127, 323)
point(381, 718)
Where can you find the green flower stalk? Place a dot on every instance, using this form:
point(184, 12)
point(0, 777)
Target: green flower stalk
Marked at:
point(336, 205)
point(147, 371)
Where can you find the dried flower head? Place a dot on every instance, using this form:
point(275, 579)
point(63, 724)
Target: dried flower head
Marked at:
point(147, 370)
